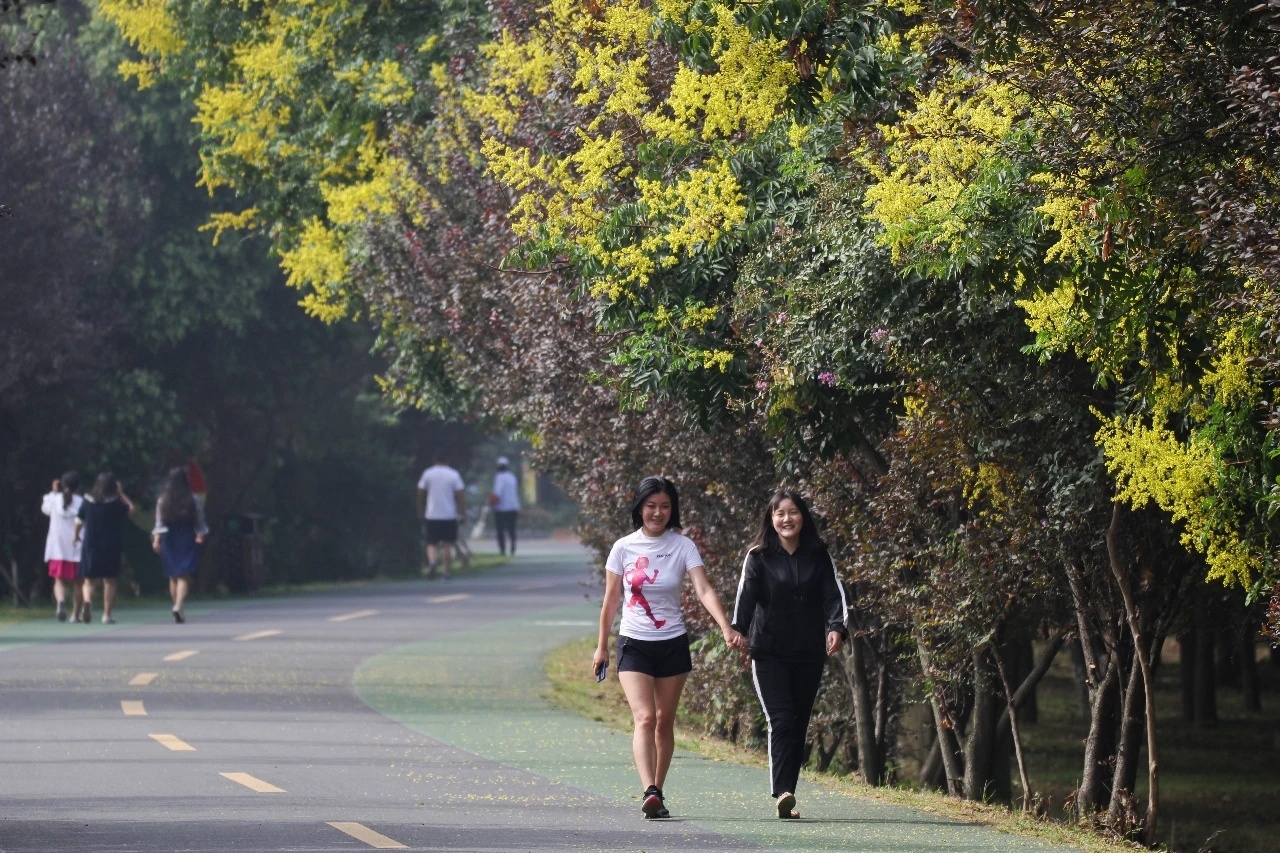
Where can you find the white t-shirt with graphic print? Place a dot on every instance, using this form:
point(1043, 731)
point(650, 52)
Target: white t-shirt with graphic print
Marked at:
point(653, 571)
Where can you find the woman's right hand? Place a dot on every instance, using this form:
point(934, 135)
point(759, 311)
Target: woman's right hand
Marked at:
point(599, 659)
point(155, 544)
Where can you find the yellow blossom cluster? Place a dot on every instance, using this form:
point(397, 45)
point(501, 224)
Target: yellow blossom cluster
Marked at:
point(604, 62)
point(1151, 464)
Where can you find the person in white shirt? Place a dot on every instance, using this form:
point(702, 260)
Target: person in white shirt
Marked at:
point(505, 500)
point(61, 547)
point(653, 647)
point(442, 501)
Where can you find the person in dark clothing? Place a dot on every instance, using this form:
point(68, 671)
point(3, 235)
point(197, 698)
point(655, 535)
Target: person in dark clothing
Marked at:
point(101, 527)
point(791, 607)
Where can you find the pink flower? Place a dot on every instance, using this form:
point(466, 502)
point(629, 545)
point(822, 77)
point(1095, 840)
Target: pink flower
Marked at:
point(761, 385)
point(879, 335)
point(759, 342)
point(827, 378)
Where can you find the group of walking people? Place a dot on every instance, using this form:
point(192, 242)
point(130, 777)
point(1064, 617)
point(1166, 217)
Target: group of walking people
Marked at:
point(789, 615)
point(85, 544)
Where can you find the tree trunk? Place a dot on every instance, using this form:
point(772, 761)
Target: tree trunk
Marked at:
point(1148, 684)
point(1011, 709)
point(1081, 672)
point(933, 776)
point(1249, 684)
point(870, 759)
point(1205, 699)
point(1099, 745)
point(1033, 677)
point(949, 746)
point(1128, 745)
point(1187, 673)
point(979, 750)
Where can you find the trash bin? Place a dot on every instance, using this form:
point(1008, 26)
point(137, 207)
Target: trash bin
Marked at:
point(245, 569)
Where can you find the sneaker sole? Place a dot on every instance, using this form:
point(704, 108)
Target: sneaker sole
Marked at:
point(652, 807)
point(785, 805)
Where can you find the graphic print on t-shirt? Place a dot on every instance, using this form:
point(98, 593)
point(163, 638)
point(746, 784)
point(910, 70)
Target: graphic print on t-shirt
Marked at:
point(636, 578)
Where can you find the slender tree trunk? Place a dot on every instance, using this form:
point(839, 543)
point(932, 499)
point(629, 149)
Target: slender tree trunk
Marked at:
point(979, 751)
point(1205, 700)
point(933, 775)
point(870, 761)
point(1099, 744)
point(1187, 673)
point(949, 746)
point(1011, 707)
point(1249, 684)
point(1028, 686)
point(1149, 688)
point(1129, 744)
point(1081, 671)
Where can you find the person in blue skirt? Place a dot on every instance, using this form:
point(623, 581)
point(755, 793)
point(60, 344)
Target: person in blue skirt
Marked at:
point(179, 532)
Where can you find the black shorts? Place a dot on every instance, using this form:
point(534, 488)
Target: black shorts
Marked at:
point(440, 531)
point(659, 658)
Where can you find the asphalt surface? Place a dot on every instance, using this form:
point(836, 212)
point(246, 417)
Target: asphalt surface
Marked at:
point(405, 715)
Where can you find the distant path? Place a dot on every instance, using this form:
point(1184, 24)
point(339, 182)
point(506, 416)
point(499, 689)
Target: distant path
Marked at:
point(241, 730)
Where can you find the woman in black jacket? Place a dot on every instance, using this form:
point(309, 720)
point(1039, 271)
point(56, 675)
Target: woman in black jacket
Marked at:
point(792, 608)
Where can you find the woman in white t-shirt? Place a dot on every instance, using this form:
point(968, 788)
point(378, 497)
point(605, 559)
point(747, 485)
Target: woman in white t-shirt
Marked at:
point(645, 573)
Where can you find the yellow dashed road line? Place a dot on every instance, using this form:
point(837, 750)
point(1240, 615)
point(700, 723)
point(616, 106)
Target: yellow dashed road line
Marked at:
point(181, 655)
point(172, 742)
point(142, 679)
point(133, 708)
point(360, 832)
point(253, 783)
point(258, 635)
point(347, 617)
point(442, 599)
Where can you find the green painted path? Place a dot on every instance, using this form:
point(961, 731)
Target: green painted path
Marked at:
point(481, 690)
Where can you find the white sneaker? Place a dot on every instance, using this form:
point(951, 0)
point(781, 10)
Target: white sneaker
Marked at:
point(108, 620)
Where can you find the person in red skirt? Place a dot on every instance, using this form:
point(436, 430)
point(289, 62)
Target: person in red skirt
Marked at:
point(61, 547)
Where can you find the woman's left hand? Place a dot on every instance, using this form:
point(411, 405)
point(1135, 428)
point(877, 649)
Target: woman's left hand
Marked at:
point(734, 639)
point(199, 538)
point(834, 640)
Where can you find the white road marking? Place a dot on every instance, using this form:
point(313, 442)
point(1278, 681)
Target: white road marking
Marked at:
point(253, 783)
point(564, 624)
point(258, 635)
point(133, 708)
point(181, 655)
point(444, 599)
point(530, 587)
point(173, 742)
point(142, 679)
point(347, 617)
point(360, 832)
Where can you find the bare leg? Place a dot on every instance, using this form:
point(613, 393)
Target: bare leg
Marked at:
point(108, 596)
point(446, 557)
point(60, 591)
point(86, 590)
point(640, 692)
point(431, 557)
point(178, 589)
point(666, 693)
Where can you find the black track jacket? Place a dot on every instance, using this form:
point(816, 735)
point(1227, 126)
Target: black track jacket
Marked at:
point(787, 603)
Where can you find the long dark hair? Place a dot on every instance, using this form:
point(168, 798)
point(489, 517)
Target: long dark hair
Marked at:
point(649, 487)
point(105, 488)
point(68, 483)
point(767, 538)
point(176, 503)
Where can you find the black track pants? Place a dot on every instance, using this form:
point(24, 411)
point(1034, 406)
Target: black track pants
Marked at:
point(505, 525)
point(786, 690)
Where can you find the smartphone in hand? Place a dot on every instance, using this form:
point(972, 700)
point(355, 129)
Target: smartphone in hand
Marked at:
point(602, 671)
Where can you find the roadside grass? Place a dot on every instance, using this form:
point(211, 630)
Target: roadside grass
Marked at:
point(573, 688)
point(1221, 780)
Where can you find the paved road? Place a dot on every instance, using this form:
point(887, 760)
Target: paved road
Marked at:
point(405, 715)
